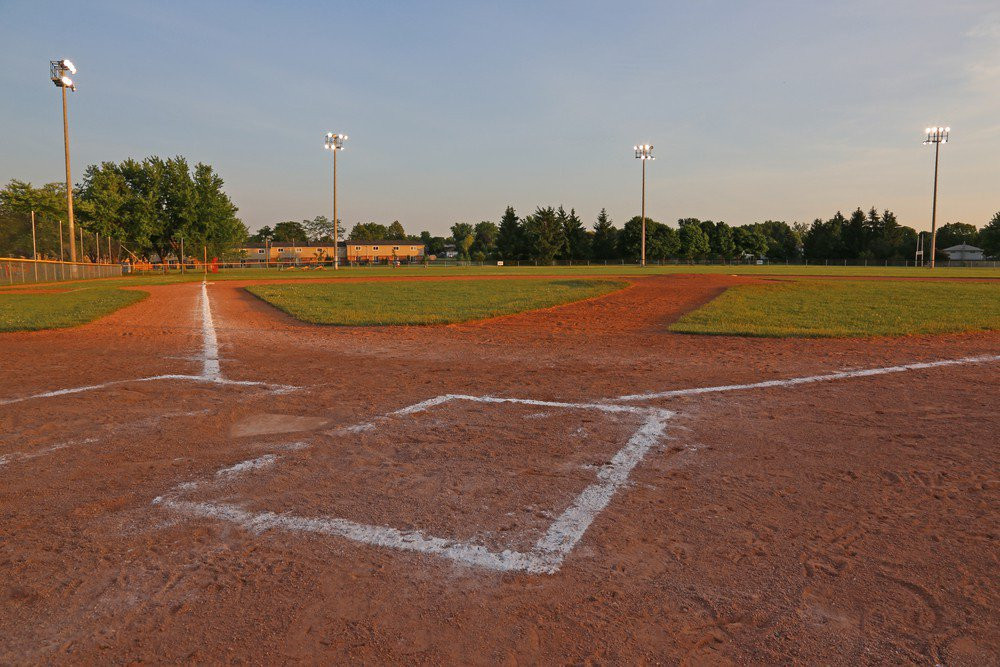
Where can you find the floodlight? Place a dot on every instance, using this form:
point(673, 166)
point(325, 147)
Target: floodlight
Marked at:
point(936, 136)
point(335, 142)
point(643, 152)
point(68, 64)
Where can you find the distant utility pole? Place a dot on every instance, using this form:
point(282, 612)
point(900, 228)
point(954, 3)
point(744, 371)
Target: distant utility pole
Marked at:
point(643, 152)
point(335, 143)
point(936, 136)
point(58, 70)
point(34, 246)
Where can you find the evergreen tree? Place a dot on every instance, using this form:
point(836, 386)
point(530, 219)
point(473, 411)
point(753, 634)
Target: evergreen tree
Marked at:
point(544, 236)
point(605, 242)
point(510, 242)
point(577, 240)
point(395, 232)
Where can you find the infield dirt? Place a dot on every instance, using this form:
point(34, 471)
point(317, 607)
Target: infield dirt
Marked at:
point(843, 522)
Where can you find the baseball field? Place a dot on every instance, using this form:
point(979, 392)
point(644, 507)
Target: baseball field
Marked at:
point(528, 466)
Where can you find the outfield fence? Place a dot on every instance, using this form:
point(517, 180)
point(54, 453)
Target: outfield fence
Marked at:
point(15, 271)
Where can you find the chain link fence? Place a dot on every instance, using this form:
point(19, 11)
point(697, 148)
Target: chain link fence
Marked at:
point(21, 271)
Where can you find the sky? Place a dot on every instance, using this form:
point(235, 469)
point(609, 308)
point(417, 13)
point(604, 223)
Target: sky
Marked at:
point(756, 110)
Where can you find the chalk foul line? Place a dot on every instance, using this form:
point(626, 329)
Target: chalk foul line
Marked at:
point(211, 373)
point(790, 382)
point(545, 557)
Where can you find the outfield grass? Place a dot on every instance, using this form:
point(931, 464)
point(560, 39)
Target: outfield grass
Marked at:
point(575, 271)
point(54, 309)
point(822, 308)
point(424, 302)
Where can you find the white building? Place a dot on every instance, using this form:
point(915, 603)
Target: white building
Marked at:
point(963, 252)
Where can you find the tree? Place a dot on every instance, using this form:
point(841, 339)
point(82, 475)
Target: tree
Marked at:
point(543, 234)
point(824, 240)
point(396, 232)
point(485, 241)
point(605, 241)
point(577, 240)
point(510, 241)
point(783, 241)
point(320, 229)
point(433, 245)
point(463, 234)
point(956, 233)
point(694, 241)
point(290, 232)
point(750, 241)
point(369, 231)
point(989, 237)
point(262, 235)
point(662, 241)
point(854, 234)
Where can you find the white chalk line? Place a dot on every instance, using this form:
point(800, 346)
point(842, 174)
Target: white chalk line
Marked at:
point(545, 557)
point(790, 382)
point(211, 372)
point(14, 457)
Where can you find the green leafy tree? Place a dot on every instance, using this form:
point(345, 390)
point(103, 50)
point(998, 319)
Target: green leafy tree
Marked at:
point(750, 241)
point(396, 232)
point(694, 241)
point(485, 242)
point(320, 229)
point(604, 245)
point(989, 237)
point(510, 238)
point(290, 231)
point(956, 233)
point(262, 235)
point(369, 231)
point(543, 234)
point(463, 234)
point(662, 241)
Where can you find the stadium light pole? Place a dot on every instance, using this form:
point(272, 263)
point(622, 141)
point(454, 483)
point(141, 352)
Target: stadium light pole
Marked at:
point(643, 152)
point(59, 71)
point(335, 142)
point(936, 136)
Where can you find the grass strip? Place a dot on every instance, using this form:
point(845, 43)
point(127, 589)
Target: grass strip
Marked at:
point(818, 308)
point(56, 310)
point(424, 302)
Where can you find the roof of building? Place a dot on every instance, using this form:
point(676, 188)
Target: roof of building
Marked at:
point(328, 244)
point(963, 246)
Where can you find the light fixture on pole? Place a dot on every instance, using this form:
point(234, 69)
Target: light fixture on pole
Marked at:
point(643, 152)
point(59, 71)
point(936, 136)
point(335, 142)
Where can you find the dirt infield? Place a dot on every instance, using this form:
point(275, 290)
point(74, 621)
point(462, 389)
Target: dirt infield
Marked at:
point(199, 477)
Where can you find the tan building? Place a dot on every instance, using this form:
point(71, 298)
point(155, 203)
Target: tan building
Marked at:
point(357, 252)
point(383, 251)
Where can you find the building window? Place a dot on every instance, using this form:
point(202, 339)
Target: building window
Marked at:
point(260, 251)
point(281, 250)
point(374, 247)
point(357, 247)
point(395, 247)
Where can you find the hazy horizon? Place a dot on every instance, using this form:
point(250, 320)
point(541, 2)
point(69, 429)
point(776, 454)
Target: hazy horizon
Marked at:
point(778, 110)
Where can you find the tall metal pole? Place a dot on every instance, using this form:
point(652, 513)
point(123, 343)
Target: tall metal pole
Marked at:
point(643, 262)
point(336, 243)
point(182, 255)
point(62, 256)
point(937, 153)
point(69, 181)
point(34, 246)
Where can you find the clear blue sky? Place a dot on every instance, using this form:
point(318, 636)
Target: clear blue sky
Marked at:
point(783, 110)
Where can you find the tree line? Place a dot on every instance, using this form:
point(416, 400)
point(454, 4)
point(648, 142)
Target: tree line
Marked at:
point(552, 233)
point(144, 207)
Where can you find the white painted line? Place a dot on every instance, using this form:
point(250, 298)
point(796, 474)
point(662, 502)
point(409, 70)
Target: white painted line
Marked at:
point(274, 388)
point(868, 372)
point(545, 557)
point(210, 343)
point(251, 465)
point(14, 457)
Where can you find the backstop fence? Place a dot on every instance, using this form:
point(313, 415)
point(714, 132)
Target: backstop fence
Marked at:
point(20, 271)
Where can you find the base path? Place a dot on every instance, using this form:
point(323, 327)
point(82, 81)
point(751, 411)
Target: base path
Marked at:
point(199, 477)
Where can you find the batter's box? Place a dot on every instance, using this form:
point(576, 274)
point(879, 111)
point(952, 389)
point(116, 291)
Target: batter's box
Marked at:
point(501, 477)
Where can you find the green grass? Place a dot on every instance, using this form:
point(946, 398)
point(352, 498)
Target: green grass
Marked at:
point(575, 271)
point(56, 310)
point(821, 308)
point(424, 302)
